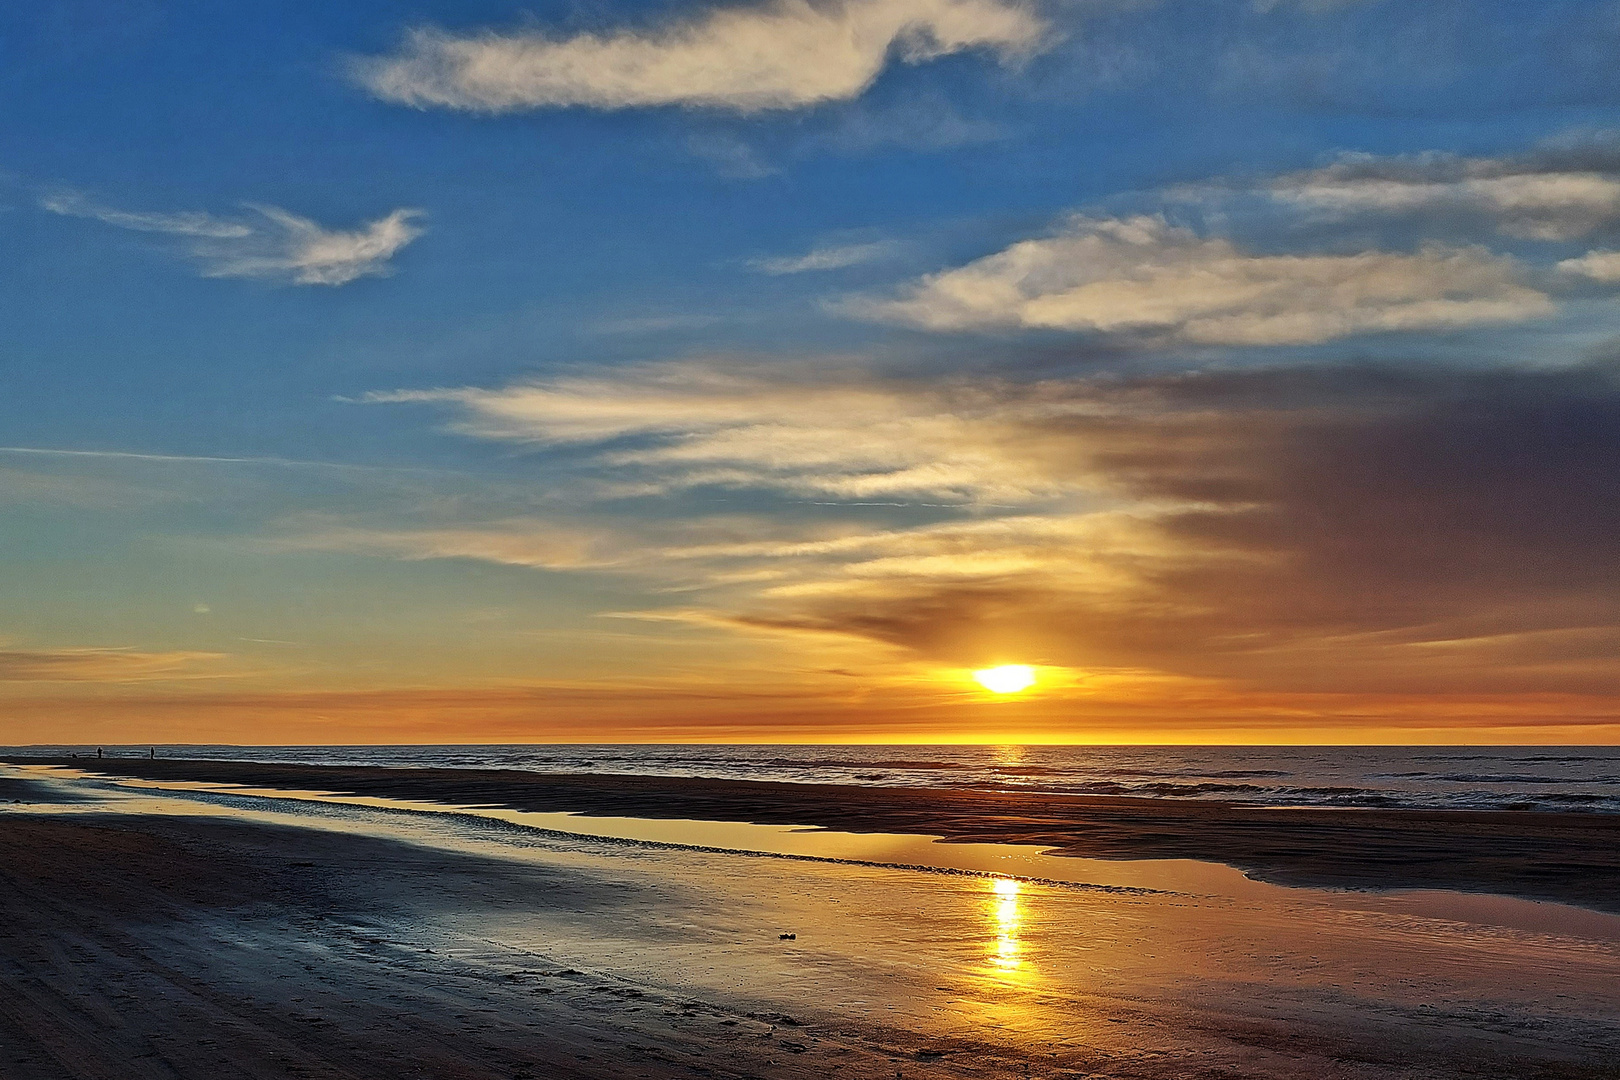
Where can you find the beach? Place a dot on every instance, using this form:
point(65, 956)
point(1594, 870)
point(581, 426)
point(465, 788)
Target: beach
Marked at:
point(197, 933)
point(1569, 857)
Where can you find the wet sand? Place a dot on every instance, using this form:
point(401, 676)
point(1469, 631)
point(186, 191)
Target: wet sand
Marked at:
point(1571, 858)
point(148, 934)
point(141, 947)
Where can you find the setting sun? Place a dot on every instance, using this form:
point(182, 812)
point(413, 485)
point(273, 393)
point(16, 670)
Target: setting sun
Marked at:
point(1007, 679)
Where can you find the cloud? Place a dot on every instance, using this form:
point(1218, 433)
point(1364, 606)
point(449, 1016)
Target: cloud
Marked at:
point(1305, 529)
point(185, 223)
point(920, 122)
point(193, 459)
point(836, 257)
point(1313, 7)
point(307, 254)
point(827, 434)
point(784, 54)
point(1144, 277)
point(1351, 528)
point(1357, 528)
point(657, 324)
point(94, 665)
point(731, 157)
point(1552, 196)
point(1600, 266)
point(538, 544)
point(275, 245)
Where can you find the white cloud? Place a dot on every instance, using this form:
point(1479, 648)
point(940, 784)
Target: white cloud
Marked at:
point(275, 245)
point(184, 223)
point(1530, 199)
point(306, 254)
point(835, 257)
point(779, 55)
point(1014, 468)
point(679, 425)
point(1143, 276)
point(1603, 266)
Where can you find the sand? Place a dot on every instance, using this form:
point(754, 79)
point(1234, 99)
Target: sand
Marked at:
point(150, 947)
point(176, 939)
point(1571, 858)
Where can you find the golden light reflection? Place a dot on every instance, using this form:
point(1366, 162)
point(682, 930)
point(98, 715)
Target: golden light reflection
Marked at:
point(1013, 754)
point(1006, 956)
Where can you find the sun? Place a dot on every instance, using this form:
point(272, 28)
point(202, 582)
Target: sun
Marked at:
point(1006, 679)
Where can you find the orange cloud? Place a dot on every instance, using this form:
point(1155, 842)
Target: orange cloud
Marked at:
point(1361, 530)
point(95, 665)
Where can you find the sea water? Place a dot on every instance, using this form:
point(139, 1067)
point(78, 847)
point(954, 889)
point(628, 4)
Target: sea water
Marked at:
point(1454, 778)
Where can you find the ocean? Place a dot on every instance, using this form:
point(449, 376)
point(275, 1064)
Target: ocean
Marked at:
point(1452, 778)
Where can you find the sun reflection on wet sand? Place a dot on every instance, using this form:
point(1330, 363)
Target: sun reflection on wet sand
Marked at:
point(983, 958)
point(898, 851)
point(1007, 954)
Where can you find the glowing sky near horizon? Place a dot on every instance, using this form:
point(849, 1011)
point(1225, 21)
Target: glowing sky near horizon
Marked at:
point(1006, 678)
point(761, 371)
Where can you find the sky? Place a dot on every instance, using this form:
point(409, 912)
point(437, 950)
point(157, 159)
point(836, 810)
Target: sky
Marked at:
point(620, 371)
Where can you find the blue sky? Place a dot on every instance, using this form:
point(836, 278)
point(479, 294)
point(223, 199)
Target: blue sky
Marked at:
point(645, 353)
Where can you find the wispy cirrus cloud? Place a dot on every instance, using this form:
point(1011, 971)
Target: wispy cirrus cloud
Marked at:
point(785, 54)
point(830, 257)
point(183, 223)
point(1314, 7)
point(523, 542)
point(1550, 196)
point(95, 665)
point(273, 244)
point(1144, 277)
point(308, 254)
point(828, 434)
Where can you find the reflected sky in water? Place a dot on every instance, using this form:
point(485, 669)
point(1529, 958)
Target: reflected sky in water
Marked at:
point(955, 956)
point(1186, 876)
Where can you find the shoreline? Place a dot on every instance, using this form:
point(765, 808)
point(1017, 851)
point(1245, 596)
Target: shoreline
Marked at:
point(1566, 857)
point(158, 939)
